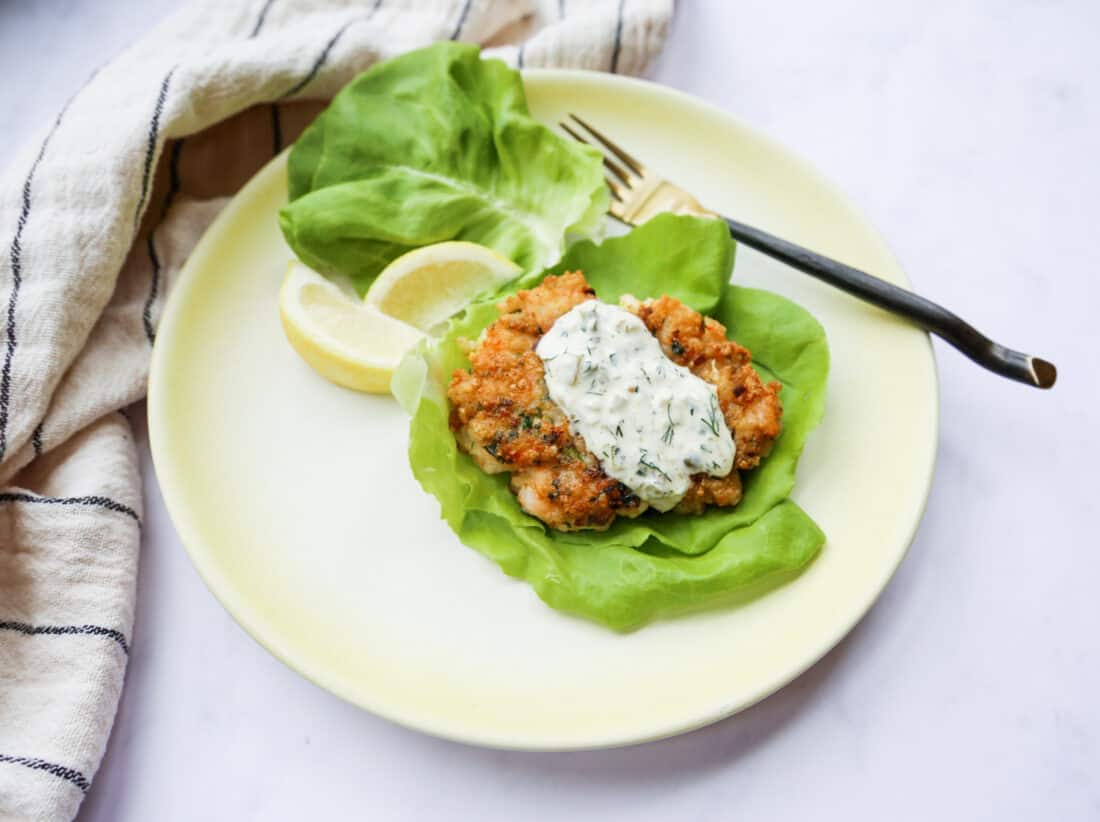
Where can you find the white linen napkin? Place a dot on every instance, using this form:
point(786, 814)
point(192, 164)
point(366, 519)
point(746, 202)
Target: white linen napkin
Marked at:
point(96, 218)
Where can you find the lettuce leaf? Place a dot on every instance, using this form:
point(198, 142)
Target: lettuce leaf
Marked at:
point(658, 564)
point(435, 145)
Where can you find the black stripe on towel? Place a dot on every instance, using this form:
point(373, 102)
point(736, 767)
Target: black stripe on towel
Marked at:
point(154, 260)
point(618, 38)
point(462, 15)
point(63, 630)
point(16, 257)
point(260, 20)
point(106, 503)
point(151, 144)
point(319, 62)
point(154, 288)
point(36, 439)
point(68, 774)
point(323, 56)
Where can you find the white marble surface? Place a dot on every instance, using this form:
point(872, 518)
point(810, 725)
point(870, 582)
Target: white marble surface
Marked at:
point(968, 132)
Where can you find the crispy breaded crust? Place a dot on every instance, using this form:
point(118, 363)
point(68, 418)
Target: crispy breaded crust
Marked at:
point(503, 417)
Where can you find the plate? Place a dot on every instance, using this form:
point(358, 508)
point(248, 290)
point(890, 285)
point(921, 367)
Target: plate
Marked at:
point(295, 499)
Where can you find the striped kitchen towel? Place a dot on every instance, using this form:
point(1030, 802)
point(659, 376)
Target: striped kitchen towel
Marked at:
point(96, 219)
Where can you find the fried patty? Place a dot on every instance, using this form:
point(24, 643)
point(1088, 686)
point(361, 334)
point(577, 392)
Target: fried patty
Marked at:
point(503, 417)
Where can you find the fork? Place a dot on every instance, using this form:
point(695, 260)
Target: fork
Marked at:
point(638, 194)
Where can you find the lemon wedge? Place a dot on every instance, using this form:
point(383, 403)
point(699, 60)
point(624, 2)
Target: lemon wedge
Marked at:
point(427, 285)
point(347, 342)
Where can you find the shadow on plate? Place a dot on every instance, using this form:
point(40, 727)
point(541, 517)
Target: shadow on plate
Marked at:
point(671, 760)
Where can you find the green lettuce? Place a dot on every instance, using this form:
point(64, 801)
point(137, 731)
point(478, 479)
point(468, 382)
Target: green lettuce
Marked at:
point(435, 145)
point(658, 564)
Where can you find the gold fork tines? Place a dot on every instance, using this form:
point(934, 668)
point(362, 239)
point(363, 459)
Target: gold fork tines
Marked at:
point(636, 193)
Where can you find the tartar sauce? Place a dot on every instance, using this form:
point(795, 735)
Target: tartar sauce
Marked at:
point(651, 423)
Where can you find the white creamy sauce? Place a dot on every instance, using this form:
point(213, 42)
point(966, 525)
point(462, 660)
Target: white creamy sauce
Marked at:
point(651, 423)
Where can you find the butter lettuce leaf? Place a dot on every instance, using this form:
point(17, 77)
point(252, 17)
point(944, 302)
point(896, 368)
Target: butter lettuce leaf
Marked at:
point(435, 145)
point(658, 564)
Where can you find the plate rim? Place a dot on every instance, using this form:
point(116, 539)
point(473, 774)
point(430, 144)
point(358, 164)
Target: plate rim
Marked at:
point(268, 638)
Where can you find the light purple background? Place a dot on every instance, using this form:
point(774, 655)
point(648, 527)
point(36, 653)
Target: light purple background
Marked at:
point(969, 132)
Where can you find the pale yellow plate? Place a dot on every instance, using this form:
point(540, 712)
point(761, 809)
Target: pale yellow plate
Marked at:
point(296, 502)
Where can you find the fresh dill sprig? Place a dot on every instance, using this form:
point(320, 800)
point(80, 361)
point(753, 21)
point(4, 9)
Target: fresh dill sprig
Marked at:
point(670, 431)
point(711, 421)
point(644, 463)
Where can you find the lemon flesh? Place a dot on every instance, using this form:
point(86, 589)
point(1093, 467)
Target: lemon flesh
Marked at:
point(345, 341)
point(428, 285)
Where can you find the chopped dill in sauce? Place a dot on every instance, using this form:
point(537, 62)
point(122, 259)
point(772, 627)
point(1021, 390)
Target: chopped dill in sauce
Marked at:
point(634, 407)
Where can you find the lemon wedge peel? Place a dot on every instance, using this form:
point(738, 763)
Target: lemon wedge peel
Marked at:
point(426, 286)
point(349, 343)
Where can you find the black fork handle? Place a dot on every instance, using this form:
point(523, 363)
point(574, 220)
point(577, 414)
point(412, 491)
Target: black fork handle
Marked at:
point(928, 315)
